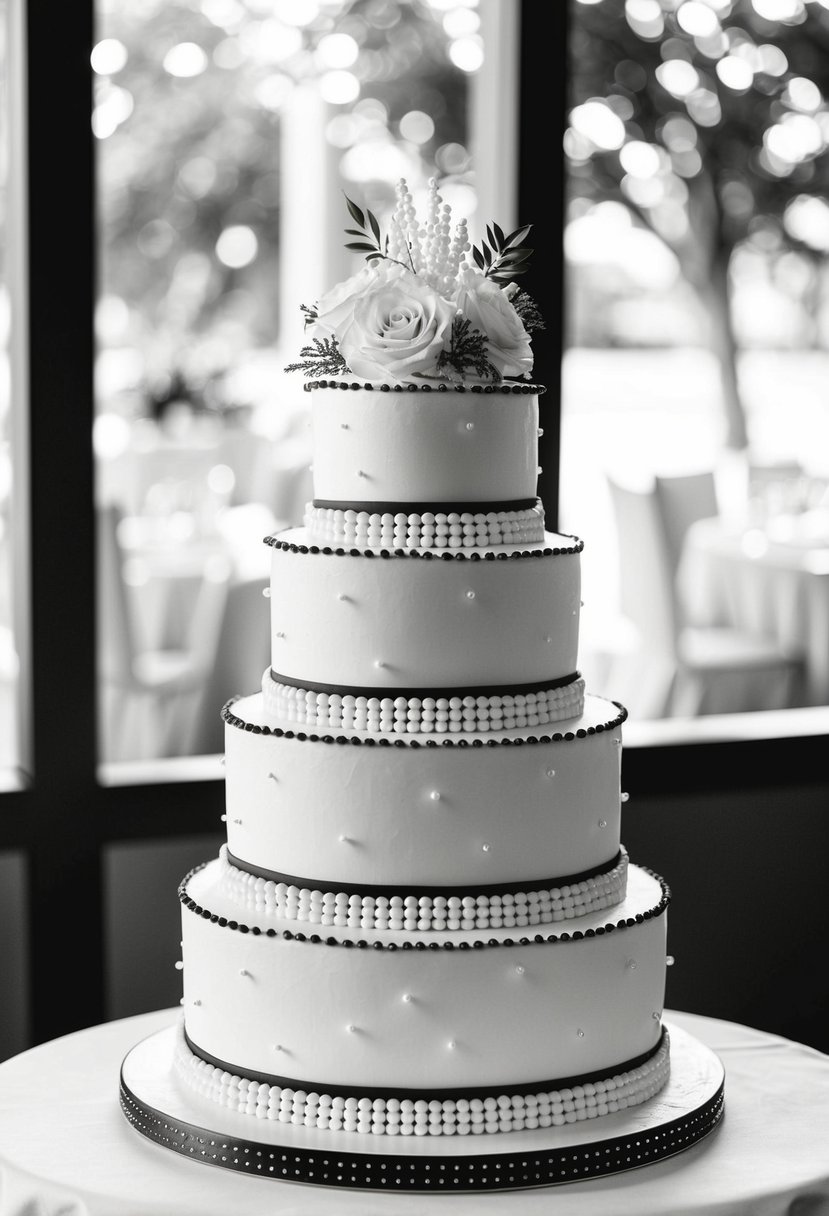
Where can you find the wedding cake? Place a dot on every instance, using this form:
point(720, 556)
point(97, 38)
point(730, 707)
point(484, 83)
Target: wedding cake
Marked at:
point(424, 922)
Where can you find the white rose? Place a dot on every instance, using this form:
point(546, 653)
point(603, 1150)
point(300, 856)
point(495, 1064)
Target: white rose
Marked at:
point(487, 308)
point(337, 305)
point(388, 324)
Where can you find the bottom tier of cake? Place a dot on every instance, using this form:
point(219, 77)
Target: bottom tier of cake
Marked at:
point(389, 1031)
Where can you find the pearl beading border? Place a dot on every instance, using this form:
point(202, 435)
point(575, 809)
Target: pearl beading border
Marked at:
point(265, 897)
point(422, 715)
point(279, 732)
point(539, 939)
point(407, 1117)
point(445, 555)
point(424, 530)
point(522, 387)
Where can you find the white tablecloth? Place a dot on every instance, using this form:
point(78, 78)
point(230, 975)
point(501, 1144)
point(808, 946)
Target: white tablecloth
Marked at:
point(772, 581)
point(66, 1149)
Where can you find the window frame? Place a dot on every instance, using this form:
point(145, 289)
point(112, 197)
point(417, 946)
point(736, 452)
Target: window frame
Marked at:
point(61, 814)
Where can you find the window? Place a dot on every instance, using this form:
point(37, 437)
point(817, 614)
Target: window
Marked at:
point(226, 138)
point(696, 345)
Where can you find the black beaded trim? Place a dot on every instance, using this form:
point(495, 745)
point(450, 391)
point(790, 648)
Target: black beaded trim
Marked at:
point(540, 939)
point(429, 555)
point(356, 888)
point(279, 732)
point(468, 690)
point(447, 1094)
point(422, 508)
point(522, 387)
point(348, 1170)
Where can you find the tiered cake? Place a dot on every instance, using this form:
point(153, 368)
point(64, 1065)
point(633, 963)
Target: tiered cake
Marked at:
point(424, 923)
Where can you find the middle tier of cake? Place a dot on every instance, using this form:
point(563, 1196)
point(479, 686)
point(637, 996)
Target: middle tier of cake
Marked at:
point(412, 625)
point(413, 831)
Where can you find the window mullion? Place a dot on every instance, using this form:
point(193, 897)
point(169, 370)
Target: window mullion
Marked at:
point(64, 844)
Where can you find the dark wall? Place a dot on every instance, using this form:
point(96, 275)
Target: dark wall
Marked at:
point(749, 919)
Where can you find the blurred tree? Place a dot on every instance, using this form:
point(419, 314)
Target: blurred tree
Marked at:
point(708, 119)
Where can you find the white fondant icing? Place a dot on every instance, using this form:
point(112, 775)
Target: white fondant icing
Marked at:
point(539, 807)
point(408, 622)
point(509, 1029)
point(416, 447)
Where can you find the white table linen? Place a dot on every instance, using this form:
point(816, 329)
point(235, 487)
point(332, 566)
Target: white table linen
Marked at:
point(771, 580)
point(67, 1150)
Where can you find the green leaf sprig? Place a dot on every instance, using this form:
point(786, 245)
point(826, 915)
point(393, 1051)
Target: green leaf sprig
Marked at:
point(468, 350)
point(322, 357)
point(503, 257)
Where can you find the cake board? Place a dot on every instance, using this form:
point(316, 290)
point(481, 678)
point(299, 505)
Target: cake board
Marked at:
point(162, 1109)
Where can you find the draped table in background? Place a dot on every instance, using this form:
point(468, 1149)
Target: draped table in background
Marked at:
point(771, 580)
point(67, 1150)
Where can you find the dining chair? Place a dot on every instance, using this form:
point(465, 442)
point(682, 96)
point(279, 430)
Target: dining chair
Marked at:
point(683, 499)
point(150, 696)
point(678, 669)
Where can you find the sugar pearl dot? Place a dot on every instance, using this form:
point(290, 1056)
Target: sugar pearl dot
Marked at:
point(670, 960)
point(624, 797)
point(407, 996)
point(223, 818)
point(470, 595)
point(580, 1033)
point(266, 591)
point(519, 970)
point(379, 663)
point(602, 823)
point(486, 847)
point(179, 966)
point(470, 426)
point(351, 1029)
point(451, 1044)
point(551, 772)
point(435, 795)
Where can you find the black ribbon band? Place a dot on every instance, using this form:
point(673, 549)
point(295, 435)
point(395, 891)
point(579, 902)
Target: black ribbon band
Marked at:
point(469, 690)
point(449, 1094)
point(421, 508)
point(348, 888)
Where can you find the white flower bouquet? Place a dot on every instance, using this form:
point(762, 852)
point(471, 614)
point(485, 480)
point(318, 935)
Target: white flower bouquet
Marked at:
point(427, 305)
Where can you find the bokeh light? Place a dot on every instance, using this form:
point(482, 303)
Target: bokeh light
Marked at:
point(185, 59)
point(339, 88)
point(467, 53)
point(596, 122)
point(337, 51)
point(417, 127)
point(237, 246)
point(108, 57)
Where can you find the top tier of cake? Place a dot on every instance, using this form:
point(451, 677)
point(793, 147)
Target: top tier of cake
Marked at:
point(388, 449)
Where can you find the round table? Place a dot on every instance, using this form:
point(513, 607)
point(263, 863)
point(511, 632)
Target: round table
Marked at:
point(67, 1150)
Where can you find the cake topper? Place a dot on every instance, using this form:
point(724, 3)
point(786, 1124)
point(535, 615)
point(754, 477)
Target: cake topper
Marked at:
point(427, 305)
